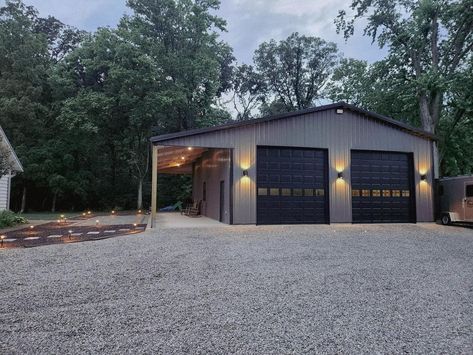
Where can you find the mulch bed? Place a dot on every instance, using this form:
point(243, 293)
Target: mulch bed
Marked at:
point(40, 233)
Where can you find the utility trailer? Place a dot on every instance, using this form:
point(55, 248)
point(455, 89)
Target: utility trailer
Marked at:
point(456, 199)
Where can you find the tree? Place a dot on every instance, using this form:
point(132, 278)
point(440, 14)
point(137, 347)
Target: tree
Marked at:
point(296, 69)
point(249, 91)
point(181, 36)
point(350, 82)
point(375, 87)
point(6, 164)
point(430, 40)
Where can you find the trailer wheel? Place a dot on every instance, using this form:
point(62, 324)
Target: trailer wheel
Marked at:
point(446, 219)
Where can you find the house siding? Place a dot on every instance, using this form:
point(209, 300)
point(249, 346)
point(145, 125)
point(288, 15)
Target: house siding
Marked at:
point(211, 168)
point(339, 133)
point(5, 192)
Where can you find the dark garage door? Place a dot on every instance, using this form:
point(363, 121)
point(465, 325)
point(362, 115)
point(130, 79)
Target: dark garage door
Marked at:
point(291, 185)
point(382, 187)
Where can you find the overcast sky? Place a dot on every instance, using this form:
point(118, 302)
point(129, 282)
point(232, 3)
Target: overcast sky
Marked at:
point(250, 22)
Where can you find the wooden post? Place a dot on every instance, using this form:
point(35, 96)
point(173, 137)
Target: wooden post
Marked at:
point(154, 185)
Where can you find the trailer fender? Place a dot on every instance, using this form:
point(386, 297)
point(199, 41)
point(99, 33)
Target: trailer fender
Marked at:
point(449, 217)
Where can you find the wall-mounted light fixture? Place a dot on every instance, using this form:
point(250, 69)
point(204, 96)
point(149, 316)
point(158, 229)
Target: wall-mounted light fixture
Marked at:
point(340, 175)
point(245, 172)
point(339, 111)
point(423, 177)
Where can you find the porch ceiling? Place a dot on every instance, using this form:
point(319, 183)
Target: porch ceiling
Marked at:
point(177, 160)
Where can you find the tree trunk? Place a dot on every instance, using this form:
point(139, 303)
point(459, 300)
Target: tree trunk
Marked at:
point(53, 207)
point(428, 124)
point(139, 204)
point(23, 200)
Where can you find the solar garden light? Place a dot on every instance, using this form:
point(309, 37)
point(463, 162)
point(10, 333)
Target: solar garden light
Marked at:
point(139, 211)
point(2, 238)
point(70, 234)
point(83, 214)
point(89, 212)
point(135, 225)
point(97, 222)
point(113, 211)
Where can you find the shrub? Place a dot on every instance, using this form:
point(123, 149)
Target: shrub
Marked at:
point(10, 219)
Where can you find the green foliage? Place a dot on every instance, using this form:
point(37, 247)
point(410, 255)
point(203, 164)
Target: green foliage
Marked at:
point(10, 219)
point(296, 69)
point(430, 48)
point(6, 163)
point(80, 108)
point(249, 90)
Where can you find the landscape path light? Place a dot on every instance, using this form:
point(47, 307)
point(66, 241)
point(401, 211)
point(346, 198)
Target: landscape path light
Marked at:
point(2, 237)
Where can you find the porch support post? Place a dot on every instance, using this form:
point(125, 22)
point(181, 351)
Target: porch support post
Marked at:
point(154, 185)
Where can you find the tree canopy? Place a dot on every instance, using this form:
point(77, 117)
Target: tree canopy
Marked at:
point(80, 107)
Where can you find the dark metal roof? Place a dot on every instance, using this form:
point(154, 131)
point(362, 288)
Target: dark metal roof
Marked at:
point(373, 115)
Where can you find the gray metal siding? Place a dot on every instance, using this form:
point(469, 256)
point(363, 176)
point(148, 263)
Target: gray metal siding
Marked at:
point(213, 167)
point(326, 129)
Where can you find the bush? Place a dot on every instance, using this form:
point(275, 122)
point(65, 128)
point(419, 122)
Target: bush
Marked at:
point(10, 219)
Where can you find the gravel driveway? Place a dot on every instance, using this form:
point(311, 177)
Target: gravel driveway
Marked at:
point(245, 289)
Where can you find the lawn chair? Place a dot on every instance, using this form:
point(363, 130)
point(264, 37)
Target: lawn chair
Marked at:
point(185, 210)
point(193, 210)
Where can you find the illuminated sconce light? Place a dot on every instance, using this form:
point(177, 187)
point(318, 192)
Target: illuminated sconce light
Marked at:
point(340, 175)
point(245, 172)
point(423, 177)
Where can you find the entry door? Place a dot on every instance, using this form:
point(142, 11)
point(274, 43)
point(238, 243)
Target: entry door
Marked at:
point(222, 201)
point(382, 187)
point(468, 205)
point(292, 185)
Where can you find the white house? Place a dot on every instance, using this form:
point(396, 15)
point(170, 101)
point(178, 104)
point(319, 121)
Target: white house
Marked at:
point(5, 181)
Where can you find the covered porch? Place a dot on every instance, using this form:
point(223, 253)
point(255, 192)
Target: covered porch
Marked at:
point(211, 173)
point(175, 220)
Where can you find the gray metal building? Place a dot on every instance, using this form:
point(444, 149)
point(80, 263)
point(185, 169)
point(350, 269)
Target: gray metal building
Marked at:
point(330, 164)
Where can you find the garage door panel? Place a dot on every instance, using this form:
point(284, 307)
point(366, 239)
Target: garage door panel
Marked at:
point(382, 187)
point(300, 176)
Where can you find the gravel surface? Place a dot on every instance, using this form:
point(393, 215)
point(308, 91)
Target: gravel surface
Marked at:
point(298, 289)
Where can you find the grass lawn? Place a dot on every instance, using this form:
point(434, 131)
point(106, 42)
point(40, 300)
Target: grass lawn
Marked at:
point(48, 216)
